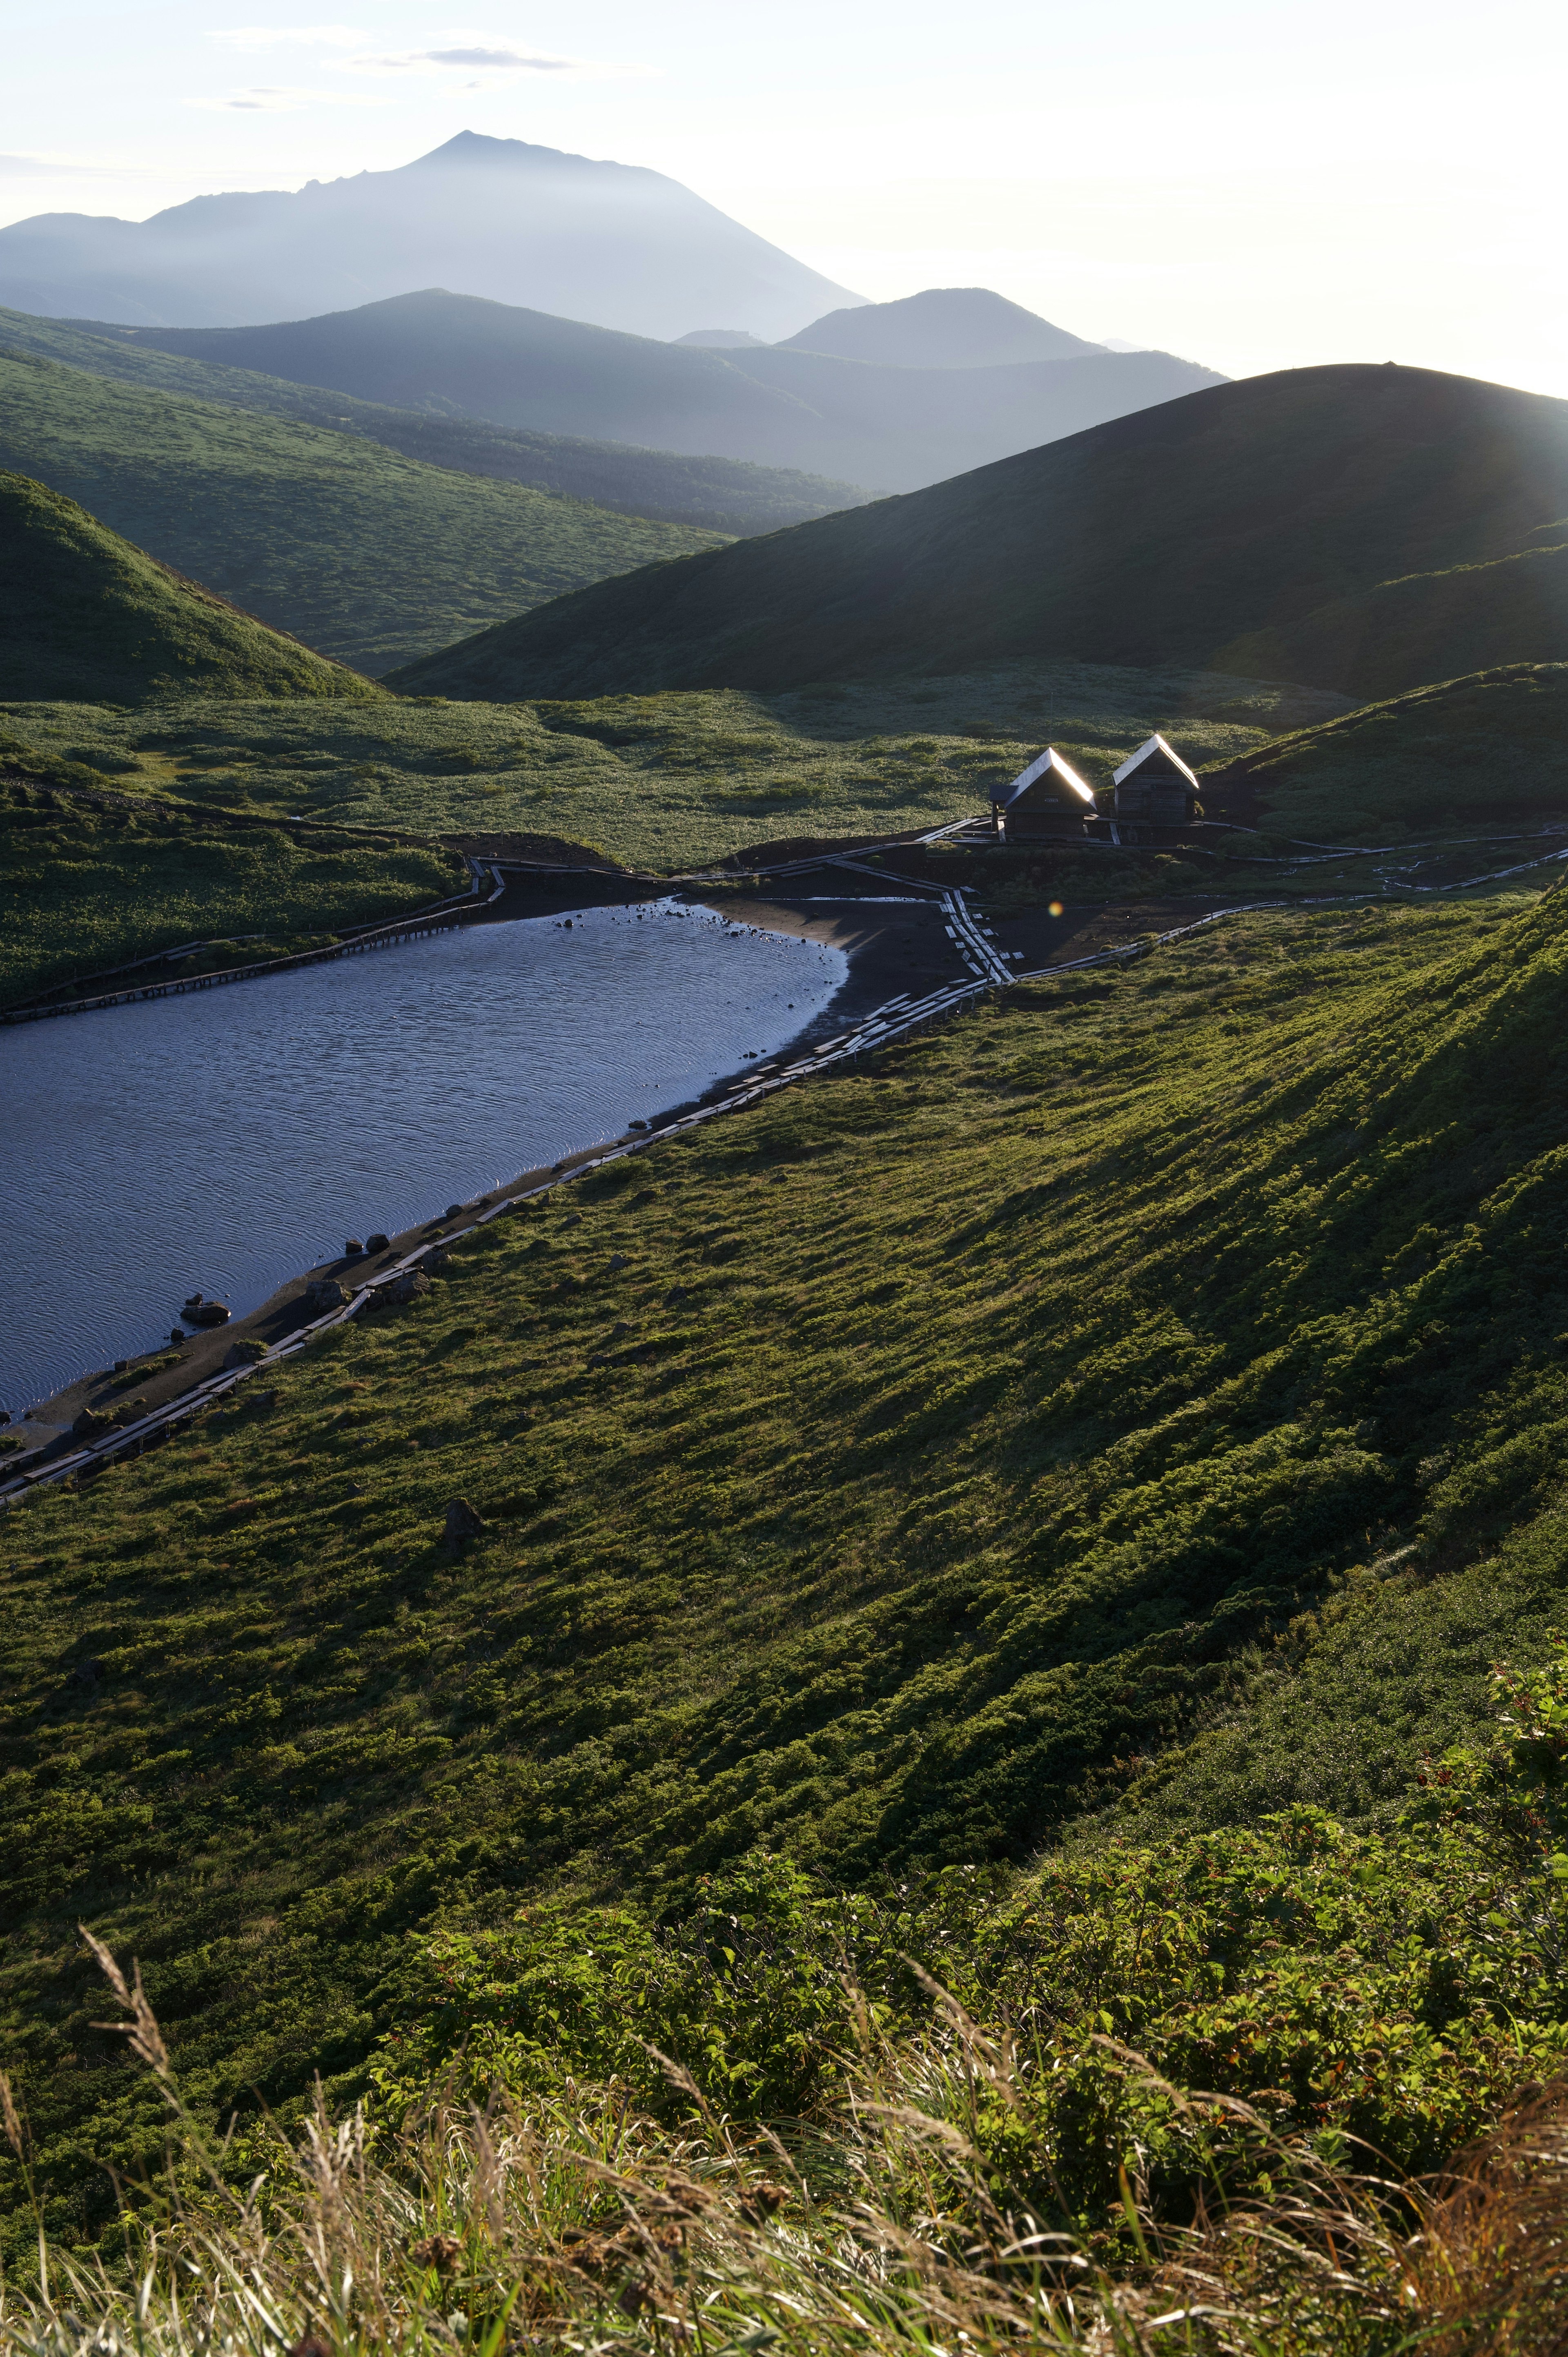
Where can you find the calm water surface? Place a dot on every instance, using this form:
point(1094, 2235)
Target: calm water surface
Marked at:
point(224, 1141)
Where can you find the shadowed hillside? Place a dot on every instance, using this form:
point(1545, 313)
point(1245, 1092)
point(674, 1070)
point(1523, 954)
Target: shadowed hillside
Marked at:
point(1427, 625)
point(86, 615)
point(1218, 528)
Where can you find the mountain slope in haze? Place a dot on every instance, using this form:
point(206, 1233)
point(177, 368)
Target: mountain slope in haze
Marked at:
point(718, 495)
point(612, 242)
point(365, 554)
point(1176, 535)
point(944, 328)
point(890, 428)
point(88, 618)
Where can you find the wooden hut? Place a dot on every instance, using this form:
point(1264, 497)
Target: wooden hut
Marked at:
point(1156, 794)
point(1046, 802)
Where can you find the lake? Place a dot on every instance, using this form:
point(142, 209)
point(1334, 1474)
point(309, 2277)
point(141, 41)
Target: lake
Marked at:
point(224, 1141)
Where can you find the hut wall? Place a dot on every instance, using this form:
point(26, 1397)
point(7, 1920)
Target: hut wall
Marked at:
point(1044, 826)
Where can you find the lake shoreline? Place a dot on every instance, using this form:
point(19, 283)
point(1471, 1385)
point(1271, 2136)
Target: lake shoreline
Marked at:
point(895, 946)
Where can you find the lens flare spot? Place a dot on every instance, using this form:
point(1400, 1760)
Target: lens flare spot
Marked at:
point(1056, 909)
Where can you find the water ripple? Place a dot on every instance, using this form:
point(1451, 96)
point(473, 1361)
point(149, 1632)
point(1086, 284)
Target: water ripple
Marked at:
point(222, 1141)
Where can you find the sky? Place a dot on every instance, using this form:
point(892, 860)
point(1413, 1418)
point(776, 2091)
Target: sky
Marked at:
point(1256, 186)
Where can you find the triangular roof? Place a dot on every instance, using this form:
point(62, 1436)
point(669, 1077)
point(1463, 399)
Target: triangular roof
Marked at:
point(1059, 778)
point(1157, 750)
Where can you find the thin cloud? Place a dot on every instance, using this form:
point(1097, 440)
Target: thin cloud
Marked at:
point(272, 37)
point(499, 58)
point(280, 99)
point(490, 60)
point(34, 167)
point(470, 49)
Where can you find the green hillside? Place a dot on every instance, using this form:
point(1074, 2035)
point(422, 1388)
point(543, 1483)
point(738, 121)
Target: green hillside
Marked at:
point(368, 555)
point(1143, 1393)
point(84, 615)
point(1271, 527)
point(1428, 625)
point(86, 889)
point(723, 495)
point(1471, 753)
point(673, 780)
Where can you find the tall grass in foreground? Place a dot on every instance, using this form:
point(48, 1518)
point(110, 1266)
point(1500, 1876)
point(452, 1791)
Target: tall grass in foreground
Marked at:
point(573, 2223)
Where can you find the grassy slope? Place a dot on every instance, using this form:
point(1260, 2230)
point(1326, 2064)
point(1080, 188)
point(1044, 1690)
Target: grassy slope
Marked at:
point(1180, 535)
point(1426, 626)
point(83, 613)
point(1037, 1402)
point(722, 495)
point(368, 555)
point(1474, 753)
point(670, 781)
point(87, 889)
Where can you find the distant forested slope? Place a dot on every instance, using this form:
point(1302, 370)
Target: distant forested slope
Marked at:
point(368, 555)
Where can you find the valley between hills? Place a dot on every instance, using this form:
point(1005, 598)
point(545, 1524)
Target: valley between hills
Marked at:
point(972, 1638)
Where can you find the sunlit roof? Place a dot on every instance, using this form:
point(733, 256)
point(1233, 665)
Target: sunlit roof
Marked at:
point(1046, 764)
point(1156, 744)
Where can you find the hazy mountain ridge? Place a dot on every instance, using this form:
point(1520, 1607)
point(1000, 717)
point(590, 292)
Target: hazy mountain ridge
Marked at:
point(886, 427)
point(941, 328)
point(715, 494)
point(1216, 530)
point(613, 243)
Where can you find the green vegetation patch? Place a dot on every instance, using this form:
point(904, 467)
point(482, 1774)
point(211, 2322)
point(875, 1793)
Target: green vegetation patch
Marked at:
point(84, 614)
point(1482, 751)
point(368, 554)
point(939, 1462)
point(675, 781)
point(88, 889)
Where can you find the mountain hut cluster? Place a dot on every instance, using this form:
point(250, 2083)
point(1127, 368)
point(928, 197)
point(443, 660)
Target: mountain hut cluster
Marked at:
point(1153, 799)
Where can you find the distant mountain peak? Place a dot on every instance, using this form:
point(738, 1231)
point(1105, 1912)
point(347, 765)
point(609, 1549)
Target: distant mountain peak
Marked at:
point(941, 328)
point(615, 245)
point(478, 148)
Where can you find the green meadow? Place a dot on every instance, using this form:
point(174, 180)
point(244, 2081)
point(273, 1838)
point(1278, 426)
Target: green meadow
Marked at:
point(88, 889)
point(1122, 1412)
point(667, 782)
